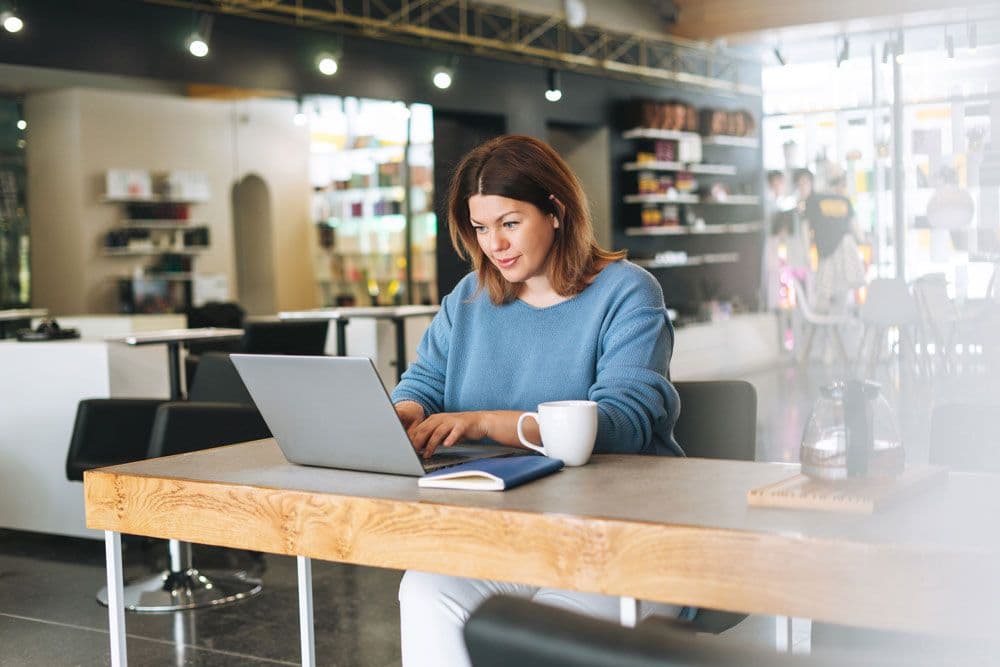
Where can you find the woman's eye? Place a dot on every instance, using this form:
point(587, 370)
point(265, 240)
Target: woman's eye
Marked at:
point(510, 224)
point(479, 229)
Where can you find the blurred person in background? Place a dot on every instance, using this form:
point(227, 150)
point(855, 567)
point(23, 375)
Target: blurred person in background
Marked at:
point(830, 224)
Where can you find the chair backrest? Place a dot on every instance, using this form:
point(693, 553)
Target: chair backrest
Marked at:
point(217, 381)
point(802, 301)
point(109, 431)
point(718, 419)
point(506, 630)
point(289, 337)
point(966, 437)
point(889, 302)
point(931, 292)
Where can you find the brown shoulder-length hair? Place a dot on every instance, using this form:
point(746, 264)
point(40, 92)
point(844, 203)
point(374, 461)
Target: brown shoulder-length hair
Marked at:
point(529, 170)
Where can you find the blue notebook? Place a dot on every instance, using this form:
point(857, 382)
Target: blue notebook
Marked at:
point(496, 474)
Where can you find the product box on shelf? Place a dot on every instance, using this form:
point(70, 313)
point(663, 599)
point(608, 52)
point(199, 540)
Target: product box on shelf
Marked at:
point(128, 183)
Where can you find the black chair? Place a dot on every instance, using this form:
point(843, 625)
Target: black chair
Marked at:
point(222, 314)
point(966, 437)
point(506, 631)
point(113, 431)
point(718, 420)
point(267, 336)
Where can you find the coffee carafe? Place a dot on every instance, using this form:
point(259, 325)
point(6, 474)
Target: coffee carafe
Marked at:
point(851, 433)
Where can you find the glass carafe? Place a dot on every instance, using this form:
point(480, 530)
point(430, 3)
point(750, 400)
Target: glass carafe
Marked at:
point(851, 433)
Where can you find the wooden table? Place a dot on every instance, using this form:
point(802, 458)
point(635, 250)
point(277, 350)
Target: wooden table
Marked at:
point(654, 528)
point(342, 317)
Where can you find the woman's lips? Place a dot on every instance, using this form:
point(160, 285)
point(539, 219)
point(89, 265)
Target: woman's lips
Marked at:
point(506, 263)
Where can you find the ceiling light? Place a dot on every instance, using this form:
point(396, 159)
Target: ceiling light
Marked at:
point(197, 46)
point(554, 92)
point(576, 13)
point(328, 62)
point(11, 21)
point(197, 42)
point(780, 58)
point(442, 77)
point(22, 124)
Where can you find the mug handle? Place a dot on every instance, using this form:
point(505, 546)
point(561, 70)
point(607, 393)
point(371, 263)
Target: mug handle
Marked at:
point(520, 432)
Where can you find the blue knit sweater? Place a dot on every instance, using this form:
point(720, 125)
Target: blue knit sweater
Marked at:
point(610, 344)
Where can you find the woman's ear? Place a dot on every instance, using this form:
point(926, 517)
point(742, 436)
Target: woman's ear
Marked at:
point(560, 209)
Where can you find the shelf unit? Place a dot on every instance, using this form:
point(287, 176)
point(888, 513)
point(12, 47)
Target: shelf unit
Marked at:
point(159, 227)
point(722, 235)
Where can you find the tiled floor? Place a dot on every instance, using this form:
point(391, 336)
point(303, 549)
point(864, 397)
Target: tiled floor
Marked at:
point(48, 615)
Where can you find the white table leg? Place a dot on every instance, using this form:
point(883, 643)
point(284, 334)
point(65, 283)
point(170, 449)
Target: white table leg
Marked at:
point(628, 611)
point(306, 635)
point(116, 607)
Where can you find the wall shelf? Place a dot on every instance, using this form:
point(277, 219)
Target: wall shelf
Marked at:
point(390, 192)
point(161, 224)
point(694, 168)
point(734, 200)
point(682, 230)
point(137, 252)
point(154, 199)
point(692, 260)
point(173, 277)
point(661, 199)
point(650, 133)
point(726, 140)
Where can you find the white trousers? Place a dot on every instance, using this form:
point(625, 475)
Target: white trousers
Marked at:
point(433, 609)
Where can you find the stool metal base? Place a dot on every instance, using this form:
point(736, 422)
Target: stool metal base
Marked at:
point(189, 589)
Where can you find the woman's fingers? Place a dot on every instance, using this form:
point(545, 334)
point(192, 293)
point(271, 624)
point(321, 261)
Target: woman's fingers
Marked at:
point(437, 437)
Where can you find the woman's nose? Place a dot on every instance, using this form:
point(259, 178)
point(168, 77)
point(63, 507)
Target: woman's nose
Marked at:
point(498, 241)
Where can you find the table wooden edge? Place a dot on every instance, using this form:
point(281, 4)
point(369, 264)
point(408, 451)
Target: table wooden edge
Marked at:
point(860, 583)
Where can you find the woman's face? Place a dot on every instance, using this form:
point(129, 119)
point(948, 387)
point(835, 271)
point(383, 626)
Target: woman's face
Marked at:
point(515, 236)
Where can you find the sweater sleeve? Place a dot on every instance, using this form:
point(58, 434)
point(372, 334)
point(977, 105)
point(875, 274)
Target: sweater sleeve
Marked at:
point(424, 378)
point(637, 405)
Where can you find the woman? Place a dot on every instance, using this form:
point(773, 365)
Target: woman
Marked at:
point(545, 315)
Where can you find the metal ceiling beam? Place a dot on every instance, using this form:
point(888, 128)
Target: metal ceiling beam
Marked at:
point(502, 32)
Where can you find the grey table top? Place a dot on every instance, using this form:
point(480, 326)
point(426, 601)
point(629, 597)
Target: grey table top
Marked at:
point(178, 336)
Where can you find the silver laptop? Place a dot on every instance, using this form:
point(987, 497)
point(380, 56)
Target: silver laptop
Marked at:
point(334, 412)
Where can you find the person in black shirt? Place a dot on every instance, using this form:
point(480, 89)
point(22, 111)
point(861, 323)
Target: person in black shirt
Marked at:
point(830, 220)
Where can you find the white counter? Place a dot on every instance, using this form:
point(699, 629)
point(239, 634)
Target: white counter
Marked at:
point(40, 387)
point(726, 349)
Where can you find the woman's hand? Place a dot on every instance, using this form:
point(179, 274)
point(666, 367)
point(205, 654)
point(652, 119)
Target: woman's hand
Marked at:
point(450, 428)
point(410, 413)
point(446, 429)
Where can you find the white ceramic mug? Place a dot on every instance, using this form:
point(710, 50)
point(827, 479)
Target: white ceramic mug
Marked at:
point(568, 428)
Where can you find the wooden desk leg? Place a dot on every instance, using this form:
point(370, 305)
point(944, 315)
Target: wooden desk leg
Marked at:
point(628, 612)
point(116, 606)
point(307, 638)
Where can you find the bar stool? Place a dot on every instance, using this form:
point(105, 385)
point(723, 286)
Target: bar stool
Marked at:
point(113, 431)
